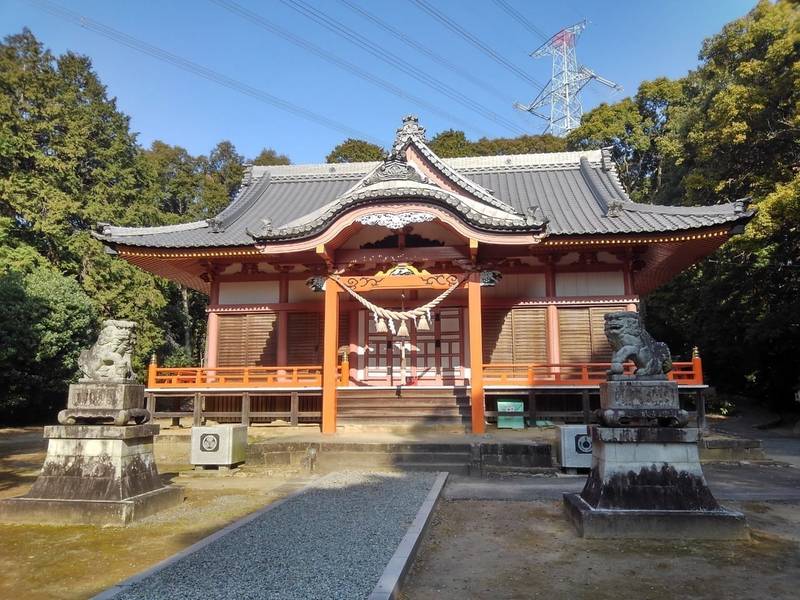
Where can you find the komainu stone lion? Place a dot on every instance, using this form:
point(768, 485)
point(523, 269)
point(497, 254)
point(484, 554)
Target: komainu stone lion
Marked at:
point(630, 341)
point(110, 357)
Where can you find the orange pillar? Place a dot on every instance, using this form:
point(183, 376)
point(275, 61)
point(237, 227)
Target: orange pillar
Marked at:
point(476, 352)
point(553, 348)
point(282, 357)
point(212, 331)
point(329, 357)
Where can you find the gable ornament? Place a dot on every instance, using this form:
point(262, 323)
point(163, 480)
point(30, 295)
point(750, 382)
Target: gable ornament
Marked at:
point(395, 220)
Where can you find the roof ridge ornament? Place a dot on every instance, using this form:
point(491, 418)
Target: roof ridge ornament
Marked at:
point(410, 129)
point(607, 158)
point(615, 208)
point(264, 232)
point(394, 169)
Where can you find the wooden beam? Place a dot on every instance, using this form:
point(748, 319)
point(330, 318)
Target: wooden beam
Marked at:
point(473, 250)
point(330, 357)
point(323, 253)
point(476, 353)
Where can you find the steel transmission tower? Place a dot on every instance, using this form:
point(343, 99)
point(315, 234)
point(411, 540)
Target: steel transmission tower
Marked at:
point(567, 81)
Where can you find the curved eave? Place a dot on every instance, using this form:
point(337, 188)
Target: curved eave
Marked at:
point(472, 214)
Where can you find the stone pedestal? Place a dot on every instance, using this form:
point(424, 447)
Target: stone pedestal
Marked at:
point(641, 402)
point(647, 482)
point(104, 401)
point(96, 473)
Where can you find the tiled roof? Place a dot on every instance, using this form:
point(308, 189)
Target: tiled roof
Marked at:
point(570, 193)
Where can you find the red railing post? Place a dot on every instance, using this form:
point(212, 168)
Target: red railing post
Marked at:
point(152, 369)
point(697, 366)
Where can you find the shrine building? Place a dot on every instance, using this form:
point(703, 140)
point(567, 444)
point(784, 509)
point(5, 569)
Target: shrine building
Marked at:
point(418, 289)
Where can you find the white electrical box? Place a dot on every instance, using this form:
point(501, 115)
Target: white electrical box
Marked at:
point(575, 447)
point(221, 445)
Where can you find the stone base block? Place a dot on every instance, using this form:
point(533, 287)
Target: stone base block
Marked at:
point(104, 394)
point(38, 511)
point(104, 401)
point(720, 524)
point(97, 463)
point(637, 402)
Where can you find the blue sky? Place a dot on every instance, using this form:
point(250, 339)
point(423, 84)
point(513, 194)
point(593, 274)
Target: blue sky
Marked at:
point(626, 41)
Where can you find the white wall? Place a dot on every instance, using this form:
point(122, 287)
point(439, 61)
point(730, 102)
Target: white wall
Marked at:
point(300, 292)
point(590, 284)
point(522, 286)
point(248, 292)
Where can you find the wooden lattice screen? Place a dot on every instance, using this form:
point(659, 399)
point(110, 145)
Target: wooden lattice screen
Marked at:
point(247, 340)
point(517, 335)
point(306, 334)
point(581, 336)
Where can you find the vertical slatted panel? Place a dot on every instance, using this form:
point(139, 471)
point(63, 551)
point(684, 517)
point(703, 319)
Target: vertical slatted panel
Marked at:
point(344, 333)
point(601, 350)
point(305, 338)
point(497, 333)
point(529, 326)
point(261, 339)
point(231, 341)
point(247, 340)
point(574, 333)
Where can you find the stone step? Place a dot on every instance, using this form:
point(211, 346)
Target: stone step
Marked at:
point(398, 447)
point(417, 393)
point(391, 458)
point(384, 401)
point(395, 411)
point(342, 461)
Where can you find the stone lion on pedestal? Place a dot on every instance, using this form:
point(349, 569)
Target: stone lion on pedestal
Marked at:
point(110, 357)
point(630, 341)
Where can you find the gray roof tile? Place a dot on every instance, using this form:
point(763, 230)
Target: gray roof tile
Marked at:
point(572, 189)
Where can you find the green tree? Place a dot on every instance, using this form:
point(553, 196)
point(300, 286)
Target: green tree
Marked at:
point(352, 150)
point(727, 130)
point(268, 157)
point(453, 143)
point(50, 319)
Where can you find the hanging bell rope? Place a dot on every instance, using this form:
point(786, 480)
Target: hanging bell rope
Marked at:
point(384, 315)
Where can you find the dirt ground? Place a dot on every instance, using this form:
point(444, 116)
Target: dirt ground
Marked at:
point(66, 562)
point(509, 550)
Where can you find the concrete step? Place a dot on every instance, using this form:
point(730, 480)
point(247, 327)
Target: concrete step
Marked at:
point(409, 462)
point(394, 411)
point(398, 447)
point(367, 393)
point(391, 458)
point(424, 401)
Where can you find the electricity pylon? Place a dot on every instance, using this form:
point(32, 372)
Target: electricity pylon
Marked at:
point(567, 80)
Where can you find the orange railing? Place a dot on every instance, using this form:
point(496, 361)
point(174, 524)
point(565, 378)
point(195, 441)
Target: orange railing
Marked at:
point(229, 377)
point(249, 377)
point(685, 373)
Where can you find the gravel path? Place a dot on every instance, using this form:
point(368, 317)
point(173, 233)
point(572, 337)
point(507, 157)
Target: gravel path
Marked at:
point(331, 542)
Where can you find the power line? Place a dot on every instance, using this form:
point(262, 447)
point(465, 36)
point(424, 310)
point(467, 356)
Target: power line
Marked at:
point(521, 19)
point(260, 21)
point(197, 69)
point(456, 28)
point(484, 85)
point(397, 62)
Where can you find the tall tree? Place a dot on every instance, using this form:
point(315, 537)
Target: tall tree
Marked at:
point(268, 157)
point(727, 130)
point(352, 150)
point(453, 143)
